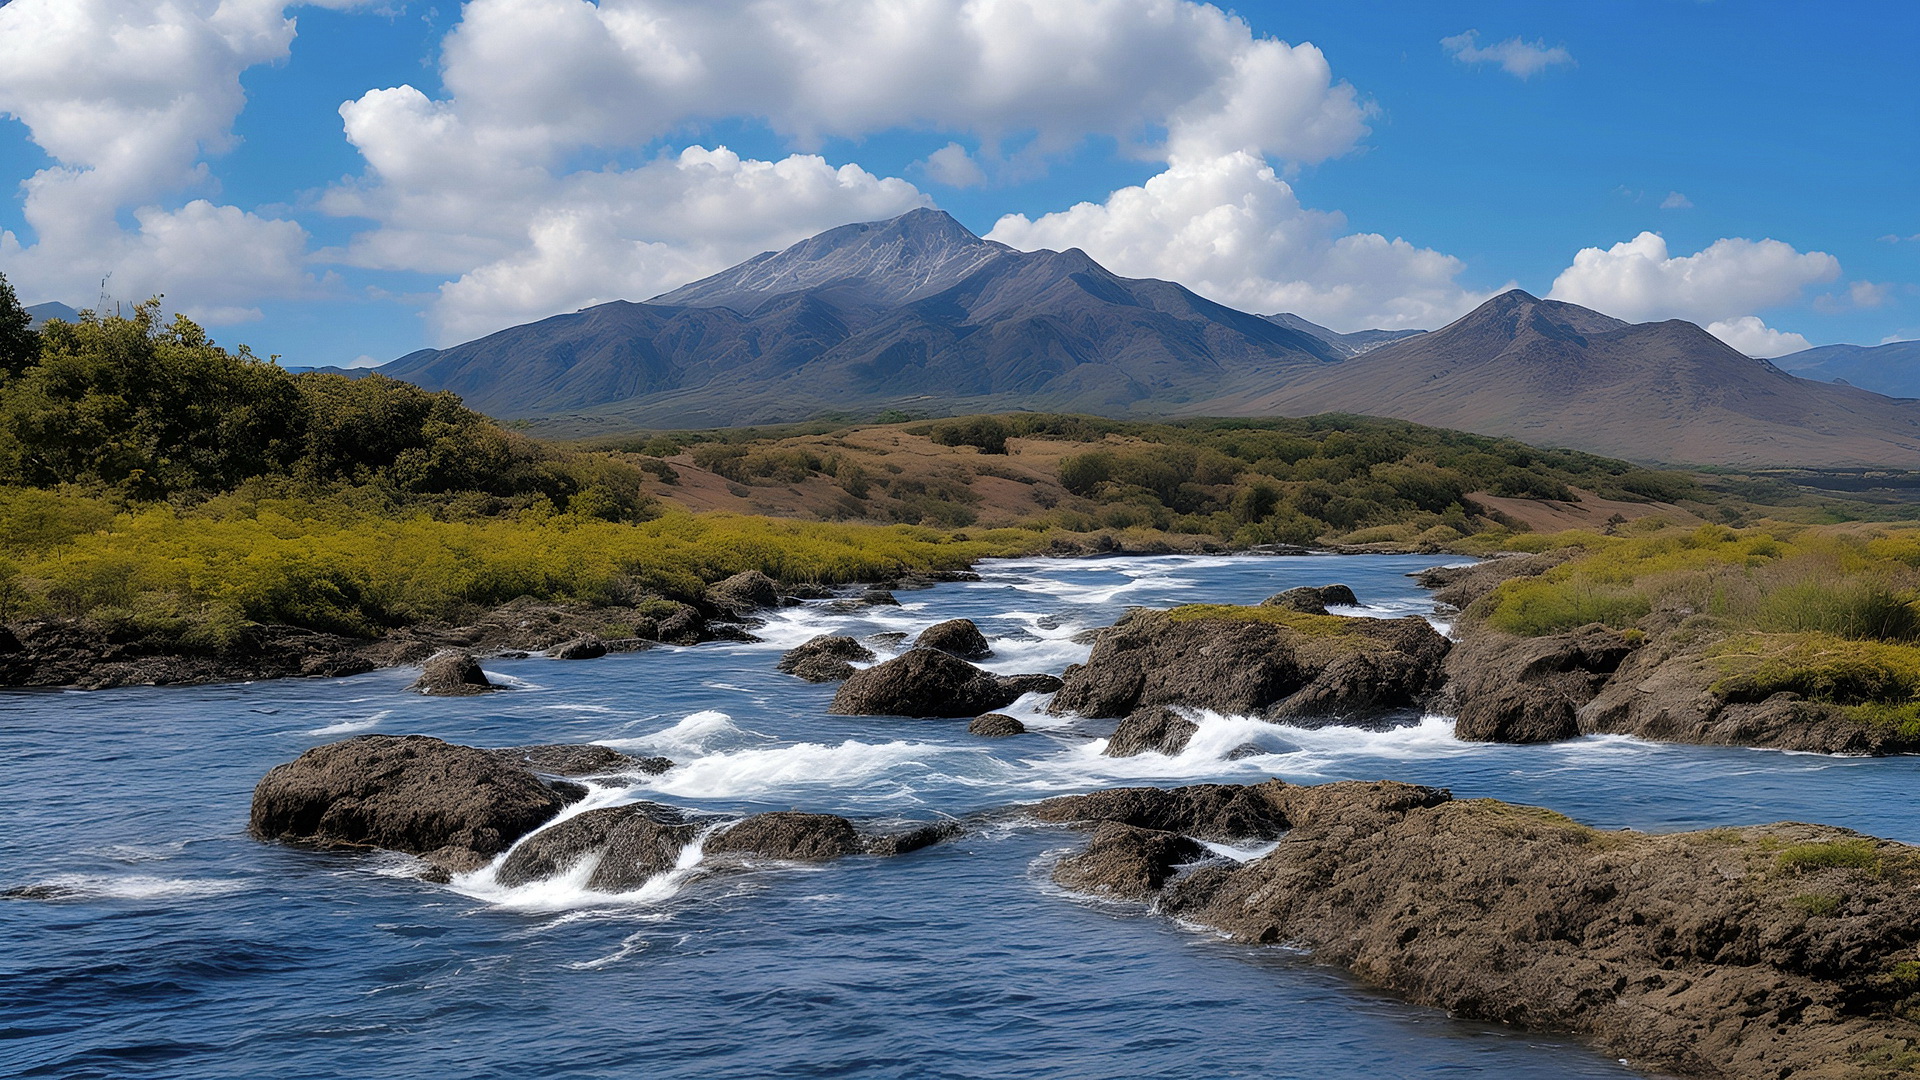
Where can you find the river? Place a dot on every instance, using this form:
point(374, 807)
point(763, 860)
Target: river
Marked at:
point(163, 942)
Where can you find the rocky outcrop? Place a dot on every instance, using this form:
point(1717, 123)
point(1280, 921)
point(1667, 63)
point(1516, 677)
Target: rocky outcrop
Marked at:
point(1772, 951)
point(960, 637)
point(579, 759)
point(1220, 812)
point(1257, 662)
point(1153, 728)
point(1457, 587)
point(1126, 861)
point(1527, 690)
point(1313, 600)
point(632, 843)
point(920, 836)
point(929, 683)
point(995, 725)
point(452, 673)
point(744, 593)
point(789, 836)
point(827, 658)
point(584, 647)
point(455, 806)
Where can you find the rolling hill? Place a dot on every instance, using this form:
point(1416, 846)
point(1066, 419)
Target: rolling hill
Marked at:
point(1892, 369)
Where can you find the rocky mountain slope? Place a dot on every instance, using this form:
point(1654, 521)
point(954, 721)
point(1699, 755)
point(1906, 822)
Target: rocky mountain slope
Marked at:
point(915, 311)
point(1557, 374)
point(1343, 345)
point(1892, 369)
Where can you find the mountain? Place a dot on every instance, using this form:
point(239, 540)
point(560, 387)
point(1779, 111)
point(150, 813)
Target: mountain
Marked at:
point(1556, 374)
point(1892, 369)
point(53, 309)
point(911, 312)
point(1342, 345)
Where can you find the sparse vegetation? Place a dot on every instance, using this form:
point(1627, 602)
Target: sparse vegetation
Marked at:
point(1861, 854)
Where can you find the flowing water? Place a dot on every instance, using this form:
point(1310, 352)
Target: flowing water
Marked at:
point(162, 941)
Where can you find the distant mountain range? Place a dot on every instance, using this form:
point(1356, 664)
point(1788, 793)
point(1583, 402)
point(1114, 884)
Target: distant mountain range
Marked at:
point(919, 313)
point(40, 313)
point(1557, 374)
point(1892, 369)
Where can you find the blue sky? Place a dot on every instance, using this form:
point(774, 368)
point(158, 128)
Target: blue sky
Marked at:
point(1754, 167)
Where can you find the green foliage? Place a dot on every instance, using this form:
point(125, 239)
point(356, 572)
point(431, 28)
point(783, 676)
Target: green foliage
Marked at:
point(1861, 854)
point(987, 433)
point(1817, 904)
point(19, 342)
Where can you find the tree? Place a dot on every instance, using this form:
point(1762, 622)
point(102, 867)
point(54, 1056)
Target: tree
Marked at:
point(19, 342)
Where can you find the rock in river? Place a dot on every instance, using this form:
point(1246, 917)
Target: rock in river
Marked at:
point(1257, 661)
point(788, 835)
point(452, 673)
point(928, 682)
point(961, 637)
point(995, 725)
point(1152, 727)
point(826, 658)
point(633, 842)
point(455, 806)
point(1313, 600)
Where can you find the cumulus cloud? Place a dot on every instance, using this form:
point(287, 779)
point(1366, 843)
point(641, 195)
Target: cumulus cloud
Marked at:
point(1516, 56)
point(1232, 230)
point(1750, 335)
point(1640, 281)
point(1676, 201)
point(129, 98)
point(633, 234)
point(953, 166)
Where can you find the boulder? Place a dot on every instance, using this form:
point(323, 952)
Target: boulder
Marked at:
point(455, 806)
point(1221, 812)
point(8, 642)
point(1257, 662)
point(633, 843)
point(683, 626)
point(900, 843)
point(927, 682)
point(1314, 600)
point(579, 759)
point(878, 598)
point(585, 647)
point(1126, 861)
point(787, 835)
point(1528, 690)
point(959, 637)
point(744, 592)
point(826, 658)
point(452, 673)
point(1156, 728)
point(995, 725)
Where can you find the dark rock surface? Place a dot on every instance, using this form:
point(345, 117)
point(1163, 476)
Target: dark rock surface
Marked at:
point(1313, 600)
point(1153, 727)
point(585, 647)
point(1251, 666)
point(1126, 861)
point(926, 683)
point(961, 637)
point(579, 759)
point(1527, 690)
point(1771, 951)
point(922, 836)
point(825, 658)
point(1458, 587)
point(1220, 812)
point(788, 835)
point(455, 806)
point(744, 592)
point(995, 725)
point(633, 843)
point(452, 674)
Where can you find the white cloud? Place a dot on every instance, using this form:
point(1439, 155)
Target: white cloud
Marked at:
point(129, 97)
point(1755, 338)
point(1517, 57)
point(633, 234)
point(1232, 230)
point(953, 166)
point(1676, 201)
point(1639, 281)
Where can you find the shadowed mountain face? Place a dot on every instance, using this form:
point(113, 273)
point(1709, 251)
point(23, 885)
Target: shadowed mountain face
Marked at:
point(1892, 369)
point(1342, 345)
point(915, 311)
point(1561, 375)
point(53, 309)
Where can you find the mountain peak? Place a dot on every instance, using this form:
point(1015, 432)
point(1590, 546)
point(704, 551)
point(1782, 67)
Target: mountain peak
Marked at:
point(893, 261)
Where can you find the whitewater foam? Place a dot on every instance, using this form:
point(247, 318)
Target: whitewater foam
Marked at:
point(344, 727)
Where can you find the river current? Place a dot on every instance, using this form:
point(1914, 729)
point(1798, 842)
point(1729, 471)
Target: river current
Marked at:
point(163, 942)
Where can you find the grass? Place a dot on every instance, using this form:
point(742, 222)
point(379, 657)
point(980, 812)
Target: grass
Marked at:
point(1861, 854)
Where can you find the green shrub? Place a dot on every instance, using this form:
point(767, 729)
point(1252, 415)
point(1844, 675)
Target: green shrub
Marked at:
point(988, 434)
point(1862, 854)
